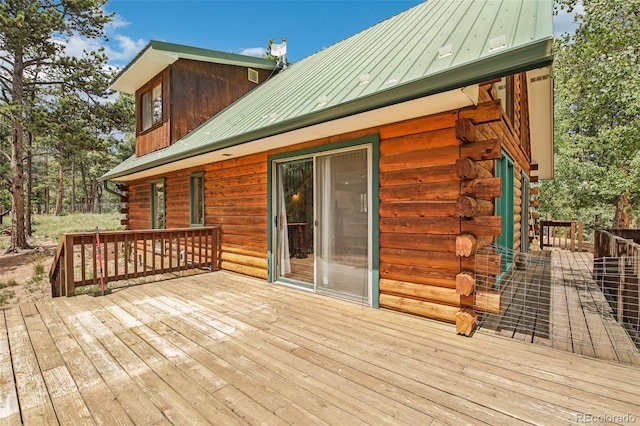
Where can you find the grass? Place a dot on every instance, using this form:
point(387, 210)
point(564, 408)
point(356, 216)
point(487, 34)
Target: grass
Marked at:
point(52, 227)
point(48, 227)
point(10, 283)
point(5, 296)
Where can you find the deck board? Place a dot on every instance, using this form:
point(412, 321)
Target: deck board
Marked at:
point(555, 302)
point(224, 348)
point(9, 407)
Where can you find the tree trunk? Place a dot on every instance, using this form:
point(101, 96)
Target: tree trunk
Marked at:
point(18, 235)
point(85, 188)
point(73, 187)
point(47, 206)
point(98, 195)
point(27, 219)
point(94, 195)
point(622, 216)
point(47, 203)
point(58, 210)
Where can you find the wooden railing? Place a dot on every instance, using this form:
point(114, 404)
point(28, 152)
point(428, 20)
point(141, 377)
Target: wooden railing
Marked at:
point(129, 255)
point(564, 234)
point(617, 269)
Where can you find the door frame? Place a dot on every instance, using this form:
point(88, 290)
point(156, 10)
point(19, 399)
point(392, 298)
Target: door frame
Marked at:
point(505, 169)
point(372, 141)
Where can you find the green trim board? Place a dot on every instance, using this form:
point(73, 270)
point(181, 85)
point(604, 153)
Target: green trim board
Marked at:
point(374, 142)
point(524, 214)
point(505, 209)
point(192, 205)
point(154, 203)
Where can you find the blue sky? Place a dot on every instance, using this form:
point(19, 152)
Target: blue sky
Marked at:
point(243, 26)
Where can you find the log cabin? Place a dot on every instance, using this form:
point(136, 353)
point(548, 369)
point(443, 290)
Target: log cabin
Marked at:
point(372, 171)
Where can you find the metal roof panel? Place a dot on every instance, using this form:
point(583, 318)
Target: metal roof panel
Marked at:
point(435, 46)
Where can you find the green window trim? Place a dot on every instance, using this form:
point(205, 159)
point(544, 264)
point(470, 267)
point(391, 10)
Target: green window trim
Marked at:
point(505, 209)
point(524, 218)
point(196, 200)
point(158, 218)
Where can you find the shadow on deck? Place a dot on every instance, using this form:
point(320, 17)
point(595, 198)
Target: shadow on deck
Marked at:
point(552, 300)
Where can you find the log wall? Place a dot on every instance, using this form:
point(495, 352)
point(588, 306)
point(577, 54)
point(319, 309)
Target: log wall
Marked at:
point(437, 193)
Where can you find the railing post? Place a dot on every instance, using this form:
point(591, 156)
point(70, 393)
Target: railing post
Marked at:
point(69, 279)
point(579, 235)
point(215, 236)
point(621, 271)
point(573, 236)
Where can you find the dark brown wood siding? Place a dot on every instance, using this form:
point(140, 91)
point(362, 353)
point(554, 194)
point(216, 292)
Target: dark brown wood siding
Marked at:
point(192, 92)
point(200, 90)
point(157, 137)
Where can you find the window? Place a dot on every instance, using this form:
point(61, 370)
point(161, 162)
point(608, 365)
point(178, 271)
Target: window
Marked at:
point(157, 204)
point(197, 199)
point(151, 107)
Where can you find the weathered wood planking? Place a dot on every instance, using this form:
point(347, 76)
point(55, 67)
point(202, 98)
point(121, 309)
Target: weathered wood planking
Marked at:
point(35, 402)
point(9, 407)
point(232, 349)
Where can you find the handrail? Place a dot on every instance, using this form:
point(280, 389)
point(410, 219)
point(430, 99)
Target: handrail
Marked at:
point(56, 260)
point(131, 254)
point(565, 234)
point(617, 267)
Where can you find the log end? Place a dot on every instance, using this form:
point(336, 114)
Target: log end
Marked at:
point(465, 245)
point(465, 284)
point(466, 321)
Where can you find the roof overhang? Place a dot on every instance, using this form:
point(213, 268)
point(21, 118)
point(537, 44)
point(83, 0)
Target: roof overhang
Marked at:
point(540, 97)
point(428, 105)
point(157, 55)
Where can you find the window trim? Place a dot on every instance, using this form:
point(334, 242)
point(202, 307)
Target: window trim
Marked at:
point(148, 88)
point(153, 203)
point(192, 206)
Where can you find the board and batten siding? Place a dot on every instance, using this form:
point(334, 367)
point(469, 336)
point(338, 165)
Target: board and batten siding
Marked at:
point(436, 204)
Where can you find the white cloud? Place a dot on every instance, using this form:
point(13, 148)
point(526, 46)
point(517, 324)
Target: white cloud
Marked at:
point(75, 45)
point(254, 51)
point(119, 49)
point(117, 22)
point(127, 48)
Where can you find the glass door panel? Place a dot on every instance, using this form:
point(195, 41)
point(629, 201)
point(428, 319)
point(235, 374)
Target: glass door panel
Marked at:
point(342, 224)
point(295, 251)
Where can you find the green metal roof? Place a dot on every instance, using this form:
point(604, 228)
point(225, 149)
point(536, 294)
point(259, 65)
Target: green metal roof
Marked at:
point(433, 47)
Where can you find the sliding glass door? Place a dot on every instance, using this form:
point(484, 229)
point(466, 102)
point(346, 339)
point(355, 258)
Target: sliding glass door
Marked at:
point(323, 223)
point(342, 224)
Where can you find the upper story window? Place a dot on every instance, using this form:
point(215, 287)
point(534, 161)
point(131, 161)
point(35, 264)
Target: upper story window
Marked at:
point(151, 107)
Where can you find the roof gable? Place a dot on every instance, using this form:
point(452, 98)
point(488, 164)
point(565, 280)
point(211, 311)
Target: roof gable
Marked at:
point(157, 55)
point(436, 46)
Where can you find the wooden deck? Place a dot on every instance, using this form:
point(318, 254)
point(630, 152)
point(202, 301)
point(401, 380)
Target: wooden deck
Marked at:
point(554, 302)
point(221, 348)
